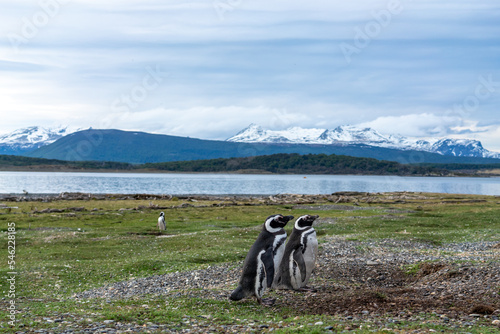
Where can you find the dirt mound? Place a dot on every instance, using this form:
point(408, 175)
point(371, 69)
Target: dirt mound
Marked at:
point(360, 289)
point(401, 277)
point(427, 269)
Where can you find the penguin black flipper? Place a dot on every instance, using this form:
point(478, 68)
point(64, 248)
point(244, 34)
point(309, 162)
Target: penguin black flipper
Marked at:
point(299, 260)
point(237, 294)
point(268, 260)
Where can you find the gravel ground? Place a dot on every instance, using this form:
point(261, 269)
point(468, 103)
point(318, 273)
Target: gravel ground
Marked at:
point(360, 283)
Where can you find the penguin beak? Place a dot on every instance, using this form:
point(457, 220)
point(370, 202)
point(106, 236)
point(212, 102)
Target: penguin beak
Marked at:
point(313, 218)
point(287, 218)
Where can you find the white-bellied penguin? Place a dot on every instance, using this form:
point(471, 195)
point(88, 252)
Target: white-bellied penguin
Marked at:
point(161, 222)
point(299, 256)
point(263, 260)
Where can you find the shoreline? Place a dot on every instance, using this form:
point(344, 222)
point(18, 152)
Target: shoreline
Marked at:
point(27, 169)
point(341, 196)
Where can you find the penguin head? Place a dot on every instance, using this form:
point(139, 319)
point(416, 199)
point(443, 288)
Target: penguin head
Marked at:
point(305, 221)
point(275, 223)
point(162, 214)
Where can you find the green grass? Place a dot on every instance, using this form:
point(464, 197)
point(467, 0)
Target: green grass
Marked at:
point(62, 253)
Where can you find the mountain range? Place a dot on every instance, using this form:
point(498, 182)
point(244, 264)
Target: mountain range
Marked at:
point(348, 135)
point(140, 147)
point(29, 139)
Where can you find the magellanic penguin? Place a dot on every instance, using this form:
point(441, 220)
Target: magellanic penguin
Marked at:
point(262, 260)
point(299, 257)
point(161, 222)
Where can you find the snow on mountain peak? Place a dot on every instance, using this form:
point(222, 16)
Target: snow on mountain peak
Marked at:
point(298, 135)
point(349, 134)
point(249, 134)
point(256, 134)
point(30, 138)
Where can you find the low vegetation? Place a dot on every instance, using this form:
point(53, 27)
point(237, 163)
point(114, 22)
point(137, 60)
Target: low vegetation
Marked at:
point(64, 248)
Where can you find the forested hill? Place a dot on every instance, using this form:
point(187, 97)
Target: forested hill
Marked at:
point(139, 147)
point(281, 163)
point(298, 164)
point(16, 162)
point(277, 163)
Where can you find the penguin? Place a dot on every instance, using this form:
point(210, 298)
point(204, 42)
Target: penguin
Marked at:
point(262, 260)
point(299, 257)
point(161, 222)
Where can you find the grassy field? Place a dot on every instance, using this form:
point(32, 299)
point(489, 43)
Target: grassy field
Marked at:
point(67, 247)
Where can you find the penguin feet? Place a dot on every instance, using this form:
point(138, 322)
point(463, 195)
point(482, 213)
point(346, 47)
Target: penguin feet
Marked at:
point(306, 289)
point(267, 301)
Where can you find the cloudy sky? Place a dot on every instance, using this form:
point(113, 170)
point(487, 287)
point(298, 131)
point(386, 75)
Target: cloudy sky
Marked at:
point(209, 68)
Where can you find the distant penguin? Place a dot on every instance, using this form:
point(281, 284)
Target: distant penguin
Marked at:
point(262, 260)
point(299, 256)
point(161, 222)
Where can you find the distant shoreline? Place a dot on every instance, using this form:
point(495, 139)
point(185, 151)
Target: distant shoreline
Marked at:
point(249, 172)
point(139, 171)
point(275, 164)
point(271, 198)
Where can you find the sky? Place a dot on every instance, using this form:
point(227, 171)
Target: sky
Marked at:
point(207, 69)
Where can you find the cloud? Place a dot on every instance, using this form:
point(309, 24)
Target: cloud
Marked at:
point(487, 134)
point(414, 125)
point(490, 138)
point(199, 122)
point(428, 125)
point(275, 63)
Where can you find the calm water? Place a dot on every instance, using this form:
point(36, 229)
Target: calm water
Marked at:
point(177, 184)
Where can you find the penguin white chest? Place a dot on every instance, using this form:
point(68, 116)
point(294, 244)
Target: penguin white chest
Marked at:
point(260, 279)
point(161, 223)
point(278, 249)
point(310, 244)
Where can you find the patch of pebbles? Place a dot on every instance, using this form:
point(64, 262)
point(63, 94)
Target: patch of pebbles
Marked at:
point(358, 281)
point(199, 324)
point(335, 252)
point(458, 282)
point(213, 278)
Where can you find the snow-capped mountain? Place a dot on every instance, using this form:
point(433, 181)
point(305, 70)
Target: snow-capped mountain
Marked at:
point(28, 139)
point(256, 134)
point(462, 148)
point(347, 135)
